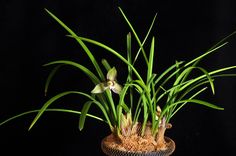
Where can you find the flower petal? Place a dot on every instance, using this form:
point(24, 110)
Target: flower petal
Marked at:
point(116, 88)
point(111, 75)
point(99, 88)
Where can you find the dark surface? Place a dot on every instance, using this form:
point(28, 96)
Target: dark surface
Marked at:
point(30, 38)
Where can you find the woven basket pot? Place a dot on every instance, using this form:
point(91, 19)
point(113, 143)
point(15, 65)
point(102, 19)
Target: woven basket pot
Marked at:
point(115, 152)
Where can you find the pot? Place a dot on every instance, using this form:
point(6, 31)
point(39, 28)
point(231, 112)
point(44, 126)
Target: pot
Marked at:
point(117, 152)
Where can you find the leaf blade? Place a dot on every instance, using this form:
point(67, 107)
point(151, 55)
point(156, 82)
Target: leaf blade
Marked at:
point(83, 115)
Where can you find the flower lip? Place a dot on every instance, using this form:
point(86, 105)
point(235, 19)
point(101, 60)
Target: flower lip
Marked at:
point(111, 83)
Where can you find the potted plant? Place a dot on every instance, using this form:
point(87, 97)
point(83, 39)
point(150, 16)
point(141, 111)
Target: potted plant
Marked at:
point(140, 115)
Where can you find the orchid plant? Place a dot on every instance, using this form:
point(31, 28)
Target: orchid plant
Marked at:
point(159, 95)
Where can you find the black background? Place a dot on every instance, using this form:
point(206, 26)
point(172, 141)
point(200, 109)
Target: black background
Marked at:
point(30, 38)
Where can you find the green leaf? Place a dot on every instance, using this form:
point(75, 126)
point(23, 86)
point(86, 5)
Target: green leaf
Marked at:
point(193, 96)
point(106, 64)
point(83, 115)
point(189, 69)
point(167, 71)
point(90, 74)
point(129, 50)
point(130, 73)
point(222, 70)
point(222, 40)
point(121, 102)
point(88, 52)
point(150, 61)
point(196, 101)
point(49, 78)
point(49, 110)
point(112, 51)
point(58, 96)
point(135, 35)
point(112, 105)
point(205, 54)
point(212, 73)
point(146, 89)
point(191, 89)
point(146, 37)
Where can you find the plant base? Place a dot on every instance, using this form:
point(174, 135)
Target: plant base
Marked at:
point(111, 147)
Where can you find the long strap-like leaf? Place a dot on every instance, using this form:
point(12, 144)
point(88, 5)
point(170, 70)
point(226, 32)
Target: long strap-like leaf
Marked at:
point(90, 55)
point(58, 96)
point(49, 110)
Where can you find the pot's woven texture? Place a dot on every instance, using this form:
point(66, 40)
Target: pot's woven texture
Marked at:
point(114, 152)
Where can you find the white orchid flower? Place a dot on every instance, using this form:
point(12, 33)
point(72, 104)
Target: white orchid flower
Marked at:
point(111, 83)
